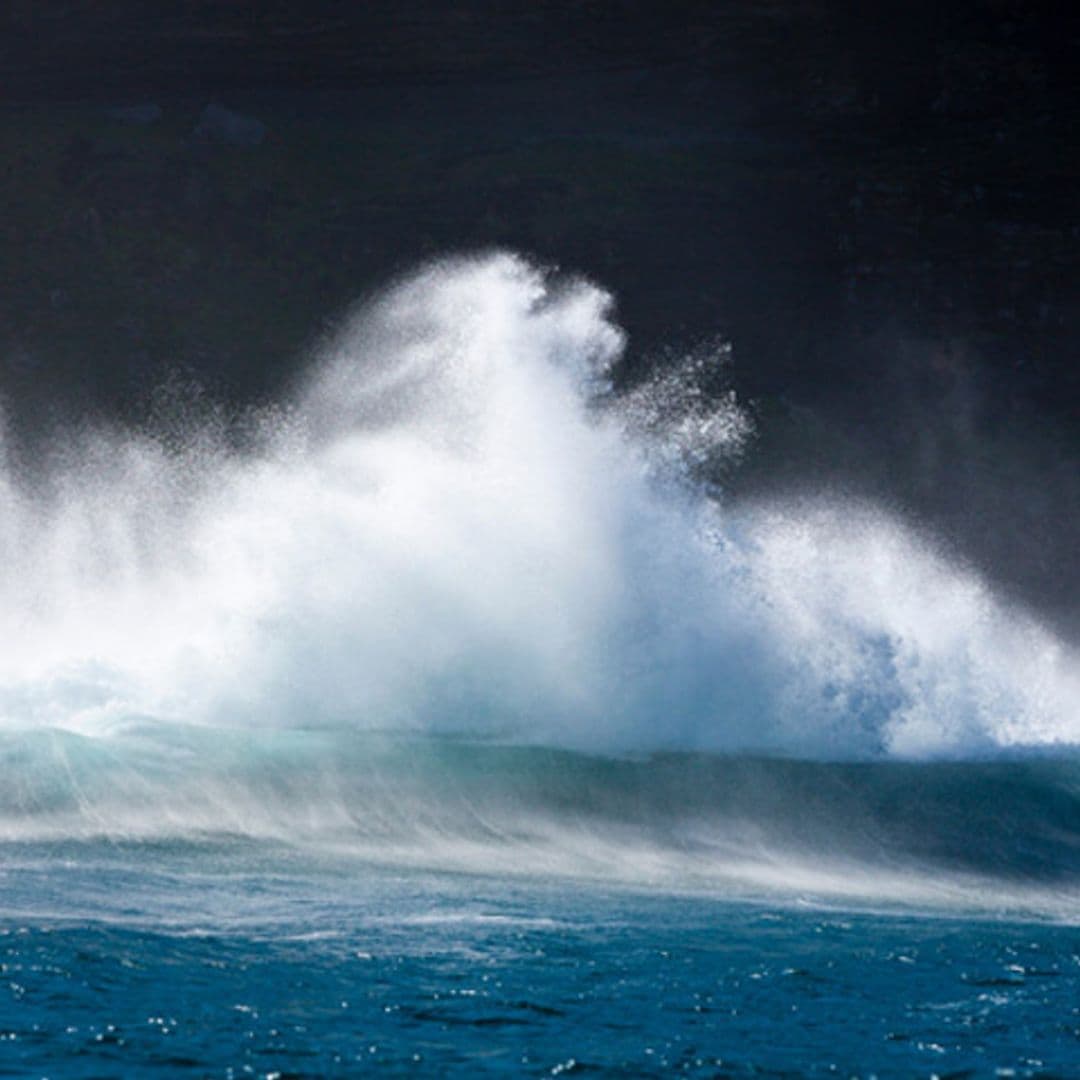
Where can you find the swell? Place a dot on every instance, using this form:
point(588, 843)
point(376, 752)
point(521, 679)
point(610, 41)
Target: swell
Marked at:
point(874, 829)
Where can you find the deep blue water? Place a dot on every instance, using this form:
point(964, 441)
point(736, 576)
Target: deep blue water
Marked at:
point(235, 961)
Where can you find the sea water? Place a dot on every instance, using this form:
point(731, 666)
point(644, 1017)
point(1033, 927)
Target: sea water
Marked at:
point(171, 961)
point(446, 717)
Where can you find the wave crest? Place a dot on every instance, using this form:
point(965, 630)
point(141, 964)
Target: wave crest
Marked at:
point(455, 525)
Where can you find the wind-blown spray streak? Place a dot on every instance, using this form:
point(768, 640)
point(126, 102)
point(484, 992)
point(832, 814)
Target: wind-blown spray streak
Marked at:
point(456, 527)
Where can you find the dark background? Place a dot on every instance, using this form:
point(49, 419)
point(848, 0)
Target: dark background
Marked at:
point(876, 204)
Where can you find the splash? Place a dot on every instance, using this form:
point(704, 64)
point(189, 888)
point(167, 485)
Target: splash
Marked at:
point(455, 526)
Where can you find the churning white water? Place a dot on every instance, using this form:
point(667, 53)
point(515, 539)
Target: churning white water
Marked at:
point(455, 526)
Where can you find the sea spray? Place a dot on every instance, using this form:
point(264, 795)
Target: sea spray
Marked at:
point(456, 526)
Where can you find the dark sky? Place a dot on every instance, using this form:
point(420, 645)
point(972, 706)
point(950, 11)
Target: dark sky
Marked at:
point(876, 203)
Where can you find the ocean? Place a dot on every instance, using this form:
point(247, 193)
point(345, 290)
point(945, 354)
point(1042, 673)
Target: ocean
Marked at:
point(234, 959)
point(446, 717)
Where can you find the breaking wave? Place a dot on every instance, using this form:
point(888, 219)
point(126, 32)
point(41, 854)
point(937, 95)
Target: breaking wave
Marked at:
point(456, 527)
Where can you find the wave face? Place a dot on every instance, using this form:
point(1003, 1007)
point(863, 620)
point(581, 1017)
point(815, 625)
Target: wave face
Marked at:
point(977, 834)
point(455, 527)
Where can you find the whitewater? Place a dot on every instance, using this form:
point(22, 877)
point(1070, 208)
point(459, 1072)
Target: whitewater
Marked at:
point(448, 716)
point(455, 532)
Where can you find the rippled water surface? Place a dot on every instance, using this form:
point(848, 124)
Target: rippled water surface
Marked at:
point(158, 961)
